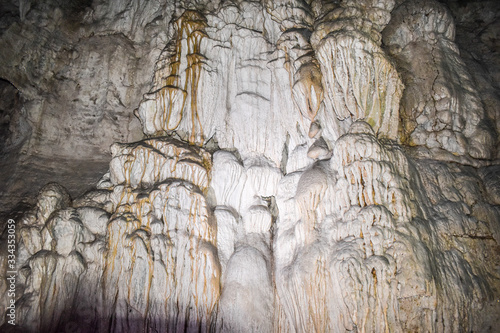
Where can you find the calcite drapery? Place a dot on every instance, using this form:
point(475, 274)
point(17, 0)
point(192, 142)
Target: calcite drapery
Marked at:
point(271, 193)
point(122, 272)
point(296, 21)
point(361, 83)
point(177, 99)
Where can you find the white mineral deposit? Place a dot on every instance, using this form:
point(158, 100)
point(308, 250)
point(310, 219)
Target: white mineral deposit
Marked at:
point(250, 166)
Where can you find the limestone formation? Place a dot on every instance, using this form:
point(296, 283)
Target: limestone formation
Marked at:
point(359, 78)
point(306, 166)
point(443, 108)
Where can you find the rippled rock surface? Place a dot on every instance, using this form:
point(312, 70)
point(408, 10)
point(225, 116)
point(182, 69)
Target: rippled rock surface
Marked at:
point(304, 166)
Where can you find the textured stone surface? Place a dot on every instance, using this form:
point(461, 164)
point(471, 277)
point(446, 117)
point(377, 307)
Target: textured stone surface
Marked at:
point(477, 38)
point(443, 109)
point(305, 166)
point(79, 69)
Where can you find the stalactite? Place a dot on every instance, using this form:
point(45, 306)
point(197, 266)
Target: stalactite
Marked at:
point(272, 191)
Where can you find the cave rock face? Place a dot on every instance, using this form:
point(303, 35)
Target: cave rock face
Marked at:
point(295, 175)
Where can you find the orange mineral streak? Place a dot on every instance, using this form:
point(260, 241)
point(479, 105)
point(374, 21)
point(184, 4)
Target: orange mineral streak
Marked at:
point(172, 97)
point(308, 85)
point(305, 81)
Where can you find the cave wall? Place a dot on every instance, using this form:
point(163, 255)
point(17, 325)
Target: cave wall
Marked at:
point(80, 70)
point(251, 166)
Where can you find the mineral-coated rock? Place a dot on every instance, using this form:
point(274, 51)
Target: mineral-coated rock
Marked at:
point(274, 190)
point(359, 79)
point(442, 108)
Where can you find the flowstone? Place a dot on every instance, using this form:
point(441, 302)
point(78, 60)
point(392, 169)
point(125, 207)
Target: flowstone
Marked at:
point(274, 191)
